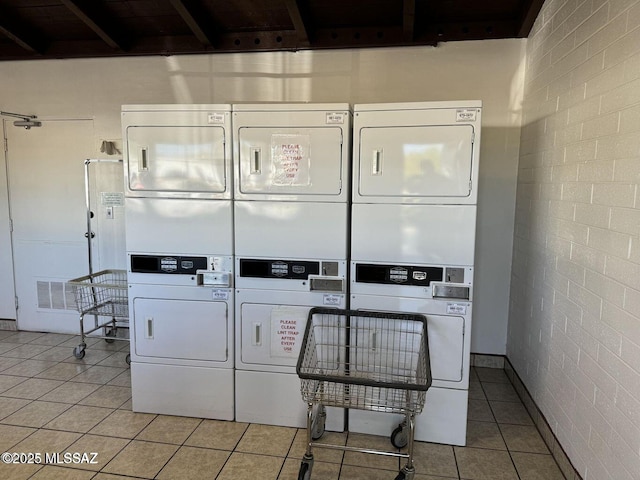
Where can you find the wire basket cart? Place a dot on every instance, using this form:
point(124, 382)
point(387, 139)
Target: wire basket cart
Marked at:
point(364, 360)
point(102, 294)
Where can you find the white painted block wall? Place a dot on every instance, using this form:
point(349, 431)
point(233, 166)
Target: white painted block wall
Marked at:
point(574, 326)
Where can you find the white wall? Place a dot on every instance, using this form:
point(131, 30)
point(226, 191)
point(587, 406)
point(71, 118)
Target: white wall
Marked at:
point(574, 327)
point(490, 71)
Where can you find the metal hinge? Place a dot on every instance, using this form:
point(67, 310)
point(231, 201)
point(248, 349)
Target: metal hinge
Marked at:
point(16, 302)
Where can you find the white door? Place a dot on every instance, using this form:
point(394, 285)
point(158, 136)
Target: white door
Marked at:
point(46, 187)
point(7, 292)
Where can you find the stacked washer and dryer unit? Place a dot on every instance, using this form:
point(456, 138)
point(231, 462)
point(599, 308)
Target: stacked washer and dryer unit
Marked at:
point(179, 240)
point(291, 245)
point(415, 184)
point(411, 235)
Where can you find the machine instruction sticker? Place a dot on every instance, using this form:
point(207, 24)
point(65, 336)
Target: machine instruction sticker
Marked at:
point(287, 330)
point(456, 308)
point(112, 199)
point(331, 299)
point(290, 159)
point(221, 294)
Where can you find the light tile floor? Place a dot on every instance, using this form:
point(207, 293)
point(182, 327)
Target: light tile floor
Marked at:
point(51, 402)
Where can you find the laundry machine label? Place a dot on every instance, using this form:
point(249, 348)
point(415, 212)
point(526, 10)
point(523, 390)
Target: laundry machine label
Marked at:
point(466, 115)
point(220, 294)
point(334, 118)
point(332, 299)
point(287, 329)
point(456, 308)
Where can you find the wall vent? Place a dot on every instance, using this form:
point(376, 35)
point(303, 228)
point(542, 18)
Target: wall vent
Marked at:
point(55, 296)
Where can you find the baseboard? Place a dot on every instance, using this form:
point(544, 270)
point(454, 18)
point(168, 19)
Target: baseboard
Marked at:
point(568, 470)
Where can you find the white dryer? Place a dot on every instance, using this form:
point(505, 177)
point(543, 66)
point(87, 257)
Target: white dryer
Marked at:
point(415, 179)
point(291, 164)
point(179, 236)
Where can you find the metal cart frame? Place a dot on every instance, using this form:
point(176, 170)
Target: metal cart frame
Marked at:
point(364, 360)
point(102, 294)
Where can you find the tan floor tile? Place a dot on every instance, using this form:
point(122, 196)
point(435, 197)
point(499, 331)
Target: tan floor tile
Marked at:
point(4, 334)
point(374, 442)
point(24, 337)
point(117, 359)
point(97, 374)
point(169, 429)
point(320, 454)
point(509, 412)
point(108, 476)
point(192, 463)
point(7, 382)
point(484, 435)
point(480, 411)
point(105, 447)
point(18, 472)
point(92, 356)
point(128, 405)
point(122, 423)
point(27, 351)
point(60, 473)
point(502, 392)
point(320, 471)
point(70, 392)
point(248, 466)
point(217, 434)
point(267, 440)
point(47, 441)
point(476, 392)
point(482, 464)
point(8, 362)
point(10, 435)
point(433, 459)
point(62, 371)
point(122, 380)
point(532, 466)
point(352, 472)
point(495, 375)
point(7, 346)
point(116, 346)
point(523, 438)
point(11, 405)
point(36, 414)
point(107, 396)
point(32, 388)
point(75, 341)
point(79, 418)
point(52, 339)
point(29, 368)
point(141, 459)
point(55, 354)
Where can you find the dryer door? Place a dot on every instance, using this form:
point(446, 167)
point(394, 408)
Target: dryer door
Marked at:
point(180, 329)
point(419, 162)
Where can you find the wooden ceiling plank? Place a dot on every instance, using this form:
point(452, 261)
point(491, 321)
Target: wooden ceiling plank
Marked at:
point(409, 19)
point(19, 39)
point(528, 14)
point(12, 28)
point(298, 22)
point(189, 18)
point(92, 23)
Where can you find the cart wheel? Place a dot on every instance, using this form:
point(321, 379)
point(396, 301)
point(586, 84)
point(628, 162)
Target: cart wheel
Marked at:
point(400, 476)
point(110, 333)
point(317, 429)
point(399, 437)
point(305, 471)
point(79, 352)
point(128, 359)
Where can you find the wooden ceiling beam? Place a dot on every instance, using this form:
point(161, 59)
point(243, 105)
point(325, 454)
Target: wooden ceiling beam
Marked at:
point(189, 18)
point(409, 19)
point(93, 23)
point(528, 14)
point(297, 18)
point(18, 32)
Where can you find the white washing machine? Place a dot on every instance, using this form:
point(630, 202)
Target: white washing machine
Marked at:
point(415, 178)
point(291, 164)
point(179, 236)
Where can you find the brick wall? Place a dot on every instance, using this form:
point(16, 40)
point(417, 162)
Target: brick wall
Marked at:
point(574, 320)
